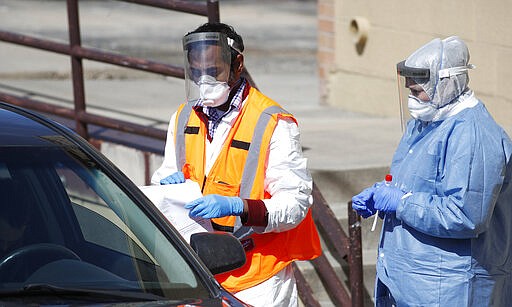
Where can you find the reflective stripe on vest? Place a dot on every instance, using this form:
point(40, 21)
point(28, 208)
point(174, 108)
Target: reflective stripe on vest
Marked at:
point(251, 163)
point(180, 129)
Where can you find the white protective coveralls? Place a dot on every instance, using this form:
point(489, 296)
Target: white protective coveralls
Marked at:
point(287, 180)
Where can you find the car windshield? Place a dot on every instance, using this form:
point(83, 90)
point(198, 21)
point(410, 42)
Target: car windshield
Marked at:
point(65, 224)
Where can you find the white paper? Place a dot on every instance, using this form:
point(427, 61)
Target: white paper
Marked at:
point(170, 199)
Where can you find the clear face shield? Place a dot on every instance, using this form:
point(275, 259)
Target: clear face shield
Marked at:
point(409, 80)
point(207, 68)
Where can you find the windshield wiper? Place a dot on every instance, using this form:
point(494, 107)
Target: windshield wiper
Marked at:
point(48, 290)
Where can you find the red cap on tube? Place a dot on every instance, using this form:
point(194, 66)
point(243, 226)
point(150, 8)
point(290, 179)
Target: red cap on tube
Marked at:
point(389, 178)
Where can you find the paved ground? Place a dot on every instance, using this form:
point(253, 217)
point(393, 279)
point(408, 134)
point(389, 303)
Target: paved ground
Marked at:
point(280, 39)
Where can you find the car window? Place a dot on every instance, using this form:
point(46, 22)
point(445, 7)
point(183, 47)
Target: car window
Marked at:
point(95, 218)
point(81, 220)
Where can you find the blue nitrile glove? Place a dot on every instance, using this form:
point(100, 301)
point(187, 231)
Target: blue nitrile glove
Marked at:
point(214, 205)
point(363, 203)
point(387, 198)
point(379, 184)
point(177, 177)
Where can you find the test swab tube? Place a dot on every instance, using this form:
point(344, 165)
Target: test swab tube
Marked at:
point(387, 181)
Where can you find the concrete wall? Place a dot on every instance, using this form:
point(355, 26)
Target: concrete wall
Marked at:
point(363, 79)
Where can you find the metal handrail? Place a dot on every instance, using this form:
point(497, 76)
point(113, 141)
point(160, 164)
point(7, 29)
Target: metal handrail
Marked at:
point(211, 9)
point(348, 248)
point(93, 54)
point(99, 120)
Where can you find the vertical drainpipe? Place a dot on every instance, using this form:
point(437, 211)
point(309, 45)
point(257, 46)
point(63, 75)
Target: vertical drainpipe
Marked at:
point(76, 67)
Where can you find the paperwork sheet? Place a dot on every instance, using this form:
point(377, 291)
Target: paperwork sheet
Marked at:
point(170, 199)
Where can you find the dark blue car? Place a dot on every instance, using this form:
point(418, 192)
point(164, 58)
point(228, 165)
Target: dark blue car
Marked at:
point(75, 231)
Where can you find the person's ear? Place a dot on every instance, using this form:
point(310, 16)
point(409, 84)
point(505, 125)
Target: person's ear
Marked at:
point(238, 65)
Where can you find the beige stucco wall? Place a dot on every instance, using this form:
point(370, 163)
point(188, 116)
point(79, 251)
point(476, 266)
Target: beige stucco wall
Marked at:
point(366, 82)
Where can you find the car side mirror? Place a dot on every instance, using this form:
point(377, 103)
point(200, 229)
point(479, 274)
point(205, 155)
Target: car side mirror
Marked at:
point(220, 252)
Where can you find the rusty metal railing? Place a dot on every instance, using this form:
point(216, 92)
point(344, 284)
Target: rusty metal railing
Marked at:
point(77, 53)
point(346, 248)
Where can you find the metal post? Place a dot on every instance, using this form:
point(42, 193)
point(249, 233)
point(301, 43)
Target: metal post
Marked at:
point(333, 285)
point(213, 10)
point(304, 289)
point(355, 258)
point(147, 171)
point(76, 67)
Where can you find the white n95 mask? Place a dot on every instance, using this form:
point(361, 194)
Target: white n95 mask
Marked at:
point(422, 110)
point(212, 93)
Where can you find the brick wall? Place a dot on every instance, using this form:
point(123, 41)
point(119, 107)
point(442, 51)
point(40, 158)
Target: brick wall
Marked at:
point(326, 50)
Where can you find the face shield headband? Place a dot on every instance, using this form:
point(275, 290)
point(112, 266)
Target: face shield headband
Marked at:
point(454, 71)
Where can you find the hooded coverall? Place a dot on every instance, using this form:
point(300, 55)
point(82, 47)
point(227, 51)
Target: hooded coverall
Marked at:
point(450, 242)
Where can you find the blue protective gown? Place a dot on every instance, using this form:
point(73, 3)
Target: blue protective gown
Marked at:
point(450, 242)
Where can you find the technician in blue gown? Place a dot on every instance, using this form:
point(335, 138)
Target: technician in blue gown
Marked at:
point(446, 238)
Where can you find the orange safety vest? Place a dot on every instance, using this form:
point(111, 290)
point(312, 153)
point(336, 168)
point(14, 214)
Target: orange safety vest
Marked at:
point(240, 171)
